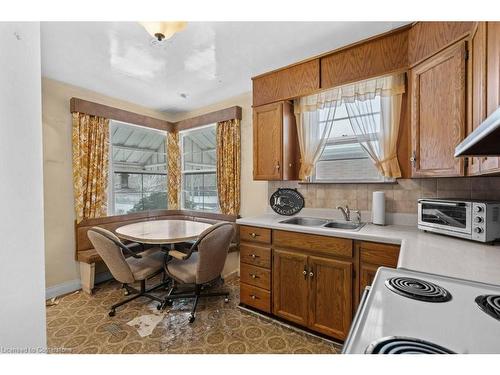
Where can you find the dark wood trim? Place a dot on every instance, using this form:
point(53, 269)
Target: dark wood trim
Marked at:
point(209, 118)
point(96, 109)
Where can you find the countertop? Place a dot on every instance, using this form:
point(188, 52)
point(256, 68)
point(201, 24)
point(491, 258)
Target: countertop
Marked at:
point(420, 251)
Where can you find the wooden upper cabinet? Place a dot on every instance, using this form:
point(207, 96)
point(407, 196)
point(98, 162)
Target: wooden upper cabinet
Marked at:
point(330, 306)
point(275, 142)
point(377, 56)
point(290, 286)
point(438, 104)
point(294, 81)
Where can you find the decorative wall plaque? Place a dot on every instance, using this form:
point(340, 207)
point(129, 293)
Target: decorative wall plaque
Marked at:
point(286, 201)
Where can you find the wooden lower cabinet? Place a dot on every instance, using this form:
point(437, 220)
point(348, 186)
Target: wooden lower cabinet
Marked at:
point(313, 291)
point(330, 296)
point(366, 275)
point(290, 286)
point(310, 280)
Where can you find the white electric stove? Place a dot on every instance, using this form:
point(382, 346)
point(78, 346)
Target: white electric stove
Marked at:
point(414, 312)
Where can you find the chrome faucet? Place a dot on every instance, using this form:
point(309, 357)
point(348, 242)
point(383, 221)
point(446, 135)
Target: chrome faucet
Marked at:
point(346, 212)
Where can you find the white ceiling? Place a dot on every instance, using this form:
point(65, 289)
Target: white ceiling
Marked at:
point(208, 61)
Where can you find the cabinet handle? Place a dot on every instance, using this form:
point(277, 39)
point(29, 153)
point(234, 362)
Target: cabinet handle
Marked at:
point(253, 235)
point(277, 166)
point(253, 276)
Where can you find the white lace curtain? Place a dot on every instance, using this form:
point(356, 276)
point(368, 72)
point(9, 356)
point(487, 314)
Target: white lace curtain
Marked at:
point(313, 132)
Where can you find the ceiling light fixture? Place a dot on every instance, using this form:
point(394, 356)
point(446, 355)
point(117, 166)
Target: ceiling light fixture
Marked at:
point(163, 30)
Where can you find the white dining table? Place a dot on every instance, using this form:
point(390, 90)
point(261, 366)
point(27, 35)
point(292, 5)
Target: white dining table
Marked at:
point(159, 232)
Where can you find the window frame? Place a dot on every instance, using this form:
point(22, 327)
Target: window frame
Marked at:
point(348, 139)
point(213, 171)
point(112, 171)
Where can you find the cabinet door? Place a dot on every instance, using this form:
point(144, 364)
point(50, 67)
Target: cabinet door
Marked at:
point(438, 112)
point(290, 286)
point(267, 142)
point(330, 306)
point(478, 100)
point(492, 164)
point(366, 275)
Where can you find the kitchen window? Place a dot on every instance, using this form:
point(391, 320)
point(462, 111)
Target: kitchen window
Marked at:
point(138, 169)
point(199, 167)
point(343, 159)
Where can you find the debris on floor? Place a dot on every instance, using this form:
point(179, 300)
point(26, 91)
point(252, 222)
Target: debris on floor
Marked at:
point(145, 324)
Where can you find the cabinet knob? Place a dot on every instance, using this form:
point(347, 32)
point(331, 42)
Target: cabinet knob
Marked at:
point(253, 235)
point(413, 158)
point(254, 256)
point(277, 166)
point(311, 274)
point(253, 276)
point(253, 296)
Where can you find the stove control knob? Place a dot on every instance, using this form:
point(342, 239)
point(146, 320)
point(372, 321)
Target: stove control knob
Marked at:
point(478, 230)
point(478, 209)
point(478, 219)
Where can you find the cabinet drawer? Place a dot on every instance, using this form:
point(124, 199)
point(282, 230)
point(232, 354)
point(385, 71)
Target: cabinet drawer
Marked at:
point(379, 254)
point(255, 255)
point(319, 244)
point(255, 234)
point(255, 297)
point(255, 276)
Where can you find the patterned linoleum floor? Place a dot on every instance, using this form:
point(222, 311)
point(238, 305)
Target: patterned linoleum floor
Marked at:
point(79, 323)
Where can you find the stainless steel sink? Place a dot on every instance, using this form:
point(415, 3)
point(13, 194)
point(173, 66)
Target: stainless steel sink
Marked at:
point(344, 225)
point(324, 223)
point(305, 221)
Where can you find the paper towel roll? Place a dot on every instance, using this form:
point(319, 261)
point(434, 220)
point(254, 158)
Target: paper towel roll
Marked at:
point(378, 208)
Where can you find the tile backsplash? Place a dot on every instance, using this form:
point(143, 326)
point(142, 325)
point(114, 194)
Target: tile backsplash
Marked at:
point(401, 197)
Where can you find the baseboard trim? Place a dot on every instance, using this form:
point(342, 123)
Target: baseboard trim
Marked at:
point(73, 285)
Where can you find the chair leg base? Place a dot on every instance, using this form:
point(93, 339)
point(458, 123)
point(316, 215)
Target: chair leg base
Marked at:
point(143, 292)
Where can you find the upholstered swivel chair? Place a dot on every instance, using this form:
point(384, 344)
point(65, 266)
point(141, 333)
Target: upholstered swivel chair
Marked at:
point(135, 268)
point(200, 266)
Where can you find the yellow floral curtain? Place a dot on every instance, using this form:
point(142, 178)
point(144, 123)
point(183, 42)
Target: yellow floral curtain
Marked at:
point(174, 170)
point(228, 166)
point(90, 165)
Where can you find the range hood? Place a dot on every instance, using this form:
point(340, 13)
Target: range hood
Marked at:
point(484, 141)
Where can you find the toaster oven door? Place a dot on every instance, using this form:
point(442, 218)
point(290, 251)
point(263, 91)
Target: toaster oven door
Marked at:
point(445, 215)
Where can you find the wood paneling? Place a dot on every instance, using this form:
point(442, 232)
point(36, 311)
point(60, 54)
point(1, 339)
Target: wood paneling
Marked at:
point(112, 113)
point(438, 112)
point(256, 276)
point(209, 118)
point(255, 234)
point(427, 38)
point(255, 255)
point(493, 64)
point(311, 242)
point(268, 142)
point(373, 58)
point(330, 296)
point(378, 253)
point(291, 82)
point(477, 64)
point(255, 297)
point(290, 286)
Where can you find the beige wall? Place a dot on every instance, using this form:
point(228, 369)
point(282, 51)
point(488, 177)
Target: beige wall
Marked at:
point(60, 266)
point(253, 193)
